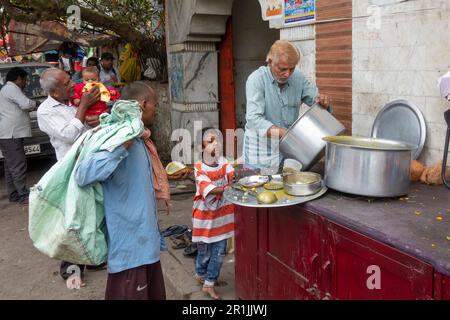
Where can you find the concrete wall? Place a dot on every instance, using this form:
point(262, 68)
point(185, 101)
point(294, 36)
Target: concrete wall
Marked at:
point(162, 128)
point(252, 39)
point(401, 58)
point(303, 37)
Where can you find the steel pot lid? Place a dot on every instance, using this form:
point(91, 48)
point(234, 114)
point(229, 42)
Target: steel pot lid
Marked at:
point(401, 120)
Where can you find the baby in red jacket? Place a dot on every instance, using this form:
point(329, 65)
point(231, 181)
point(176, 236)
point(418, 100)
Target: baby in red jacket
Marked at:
point(90, 77)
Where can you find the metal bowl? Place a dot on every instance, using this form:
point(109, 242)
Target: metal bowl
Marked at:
point(302, 184)
point(276, 183)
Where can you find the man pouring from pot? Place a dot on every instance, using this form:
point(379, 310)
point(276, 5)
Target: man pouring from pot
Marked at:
point(274, 94)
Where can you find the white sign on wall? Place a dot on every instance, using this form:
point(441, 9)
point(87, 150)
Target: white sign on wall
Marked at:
point(271, 9)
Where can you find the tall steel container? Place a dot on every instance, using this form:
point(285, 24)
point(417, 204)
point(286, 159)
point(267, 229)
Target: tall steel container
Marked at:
point(303, 140)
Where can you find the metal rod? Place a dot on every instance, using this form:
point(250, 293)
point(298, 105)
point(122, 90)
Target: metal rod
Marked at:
point(444, 161)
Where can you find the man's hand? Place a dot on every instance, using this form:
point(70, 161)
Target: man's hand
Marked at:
point(127, 144)
point(276, 131)
point(323, 101)
point(90, 97)
point(34, 108)
point(92, 121)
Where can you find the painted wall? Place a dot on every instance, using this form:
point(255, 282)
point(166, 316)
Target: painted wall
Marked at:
point(252, 39)
point(400, 56)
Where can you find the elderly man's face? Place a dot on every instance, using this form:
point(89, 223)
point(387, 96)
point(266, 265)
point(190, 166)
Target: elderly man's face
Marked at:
point(64, 89)
point(282, 69)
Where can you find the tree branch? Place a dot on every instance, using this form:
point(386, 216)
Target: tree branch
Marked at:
point(51, 10)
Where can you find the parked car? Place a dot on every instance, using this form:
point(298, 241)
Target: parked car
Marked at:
point(38, 145)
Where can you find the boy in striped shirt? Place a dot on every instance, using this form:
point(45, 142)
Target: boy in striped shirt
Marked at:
point(212, 215)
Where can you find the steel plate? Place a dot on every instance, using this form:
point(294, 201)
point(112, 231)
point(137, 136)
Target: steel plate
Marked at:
point(401, 120)
point(235, 196)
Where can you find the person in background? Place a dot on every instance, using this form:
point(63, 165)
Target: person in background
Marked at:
point(108, 74)
point(66, 63)
point(14, 127)
point(444, 86)
point(62, 122)
point(127, 175)
point(90, 62)
point(212, 214)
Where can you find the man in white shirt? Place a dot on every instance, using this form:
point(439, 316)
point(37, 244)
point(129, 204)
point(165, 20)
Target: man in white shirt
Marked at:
point(14, 127)
point(62, 122)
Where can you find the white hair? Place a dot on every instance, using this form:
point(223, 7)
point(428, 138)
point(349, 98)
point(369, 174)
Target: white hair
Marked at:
point(283, 48)
point(48, 80)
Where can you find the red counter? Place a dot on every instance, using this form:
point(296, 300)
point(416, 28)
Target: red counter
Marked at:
point(343, 247)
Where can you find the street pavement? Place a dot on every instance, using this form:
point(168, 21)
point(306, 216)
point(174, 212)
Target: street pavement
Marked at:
point(25, 273)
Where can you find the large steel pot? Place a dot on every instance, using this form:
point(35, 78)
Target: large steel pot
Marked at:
point(303, 140)
point(368, 167)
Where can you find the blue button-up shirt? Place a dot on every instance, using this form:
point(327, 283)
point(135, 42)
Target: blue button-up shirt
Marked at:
point(130, 204)
point(267, 105)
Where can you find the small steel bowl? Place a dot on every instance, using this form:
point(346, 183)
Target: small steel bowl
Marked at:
point(302, 184)
point(275, 183)
point(253, 181)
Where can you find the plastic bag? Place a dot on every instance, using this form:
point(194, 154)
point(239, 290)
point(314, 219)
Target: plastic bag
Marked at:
point(67, 222)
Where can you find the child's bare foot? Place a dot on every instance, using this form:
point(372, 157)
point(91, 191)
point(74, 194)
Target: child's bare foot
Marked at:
point(212, 293)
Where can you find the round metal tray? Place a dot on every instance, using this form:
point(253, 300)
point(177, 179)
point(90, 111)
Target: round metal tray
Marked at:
point(235, 196)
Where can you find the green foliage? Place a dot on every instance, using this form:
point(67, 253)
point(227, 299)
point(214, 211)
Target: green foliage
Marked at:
point(145, 17)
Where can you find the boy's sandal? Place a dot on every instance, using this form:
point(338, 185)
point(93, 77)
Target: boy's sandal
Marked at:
point(190, 251)
point(179, 245)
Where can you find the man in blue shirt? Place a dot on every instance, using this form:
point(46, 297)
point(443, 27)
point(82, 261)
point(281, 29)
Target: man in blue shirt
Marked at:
point(134, 269)
point(274, 95)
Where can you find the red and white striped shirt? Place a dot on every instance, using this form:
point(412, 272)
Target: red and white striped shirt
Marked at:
point(212, 217)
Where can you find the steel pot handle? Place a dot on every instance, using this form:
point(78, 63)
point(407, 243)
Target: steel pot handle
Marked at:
point(447, 139)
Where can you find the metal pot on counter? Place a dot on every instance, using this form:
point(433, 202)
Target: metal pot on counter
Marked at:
point(303, 140)
point(368, 167)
